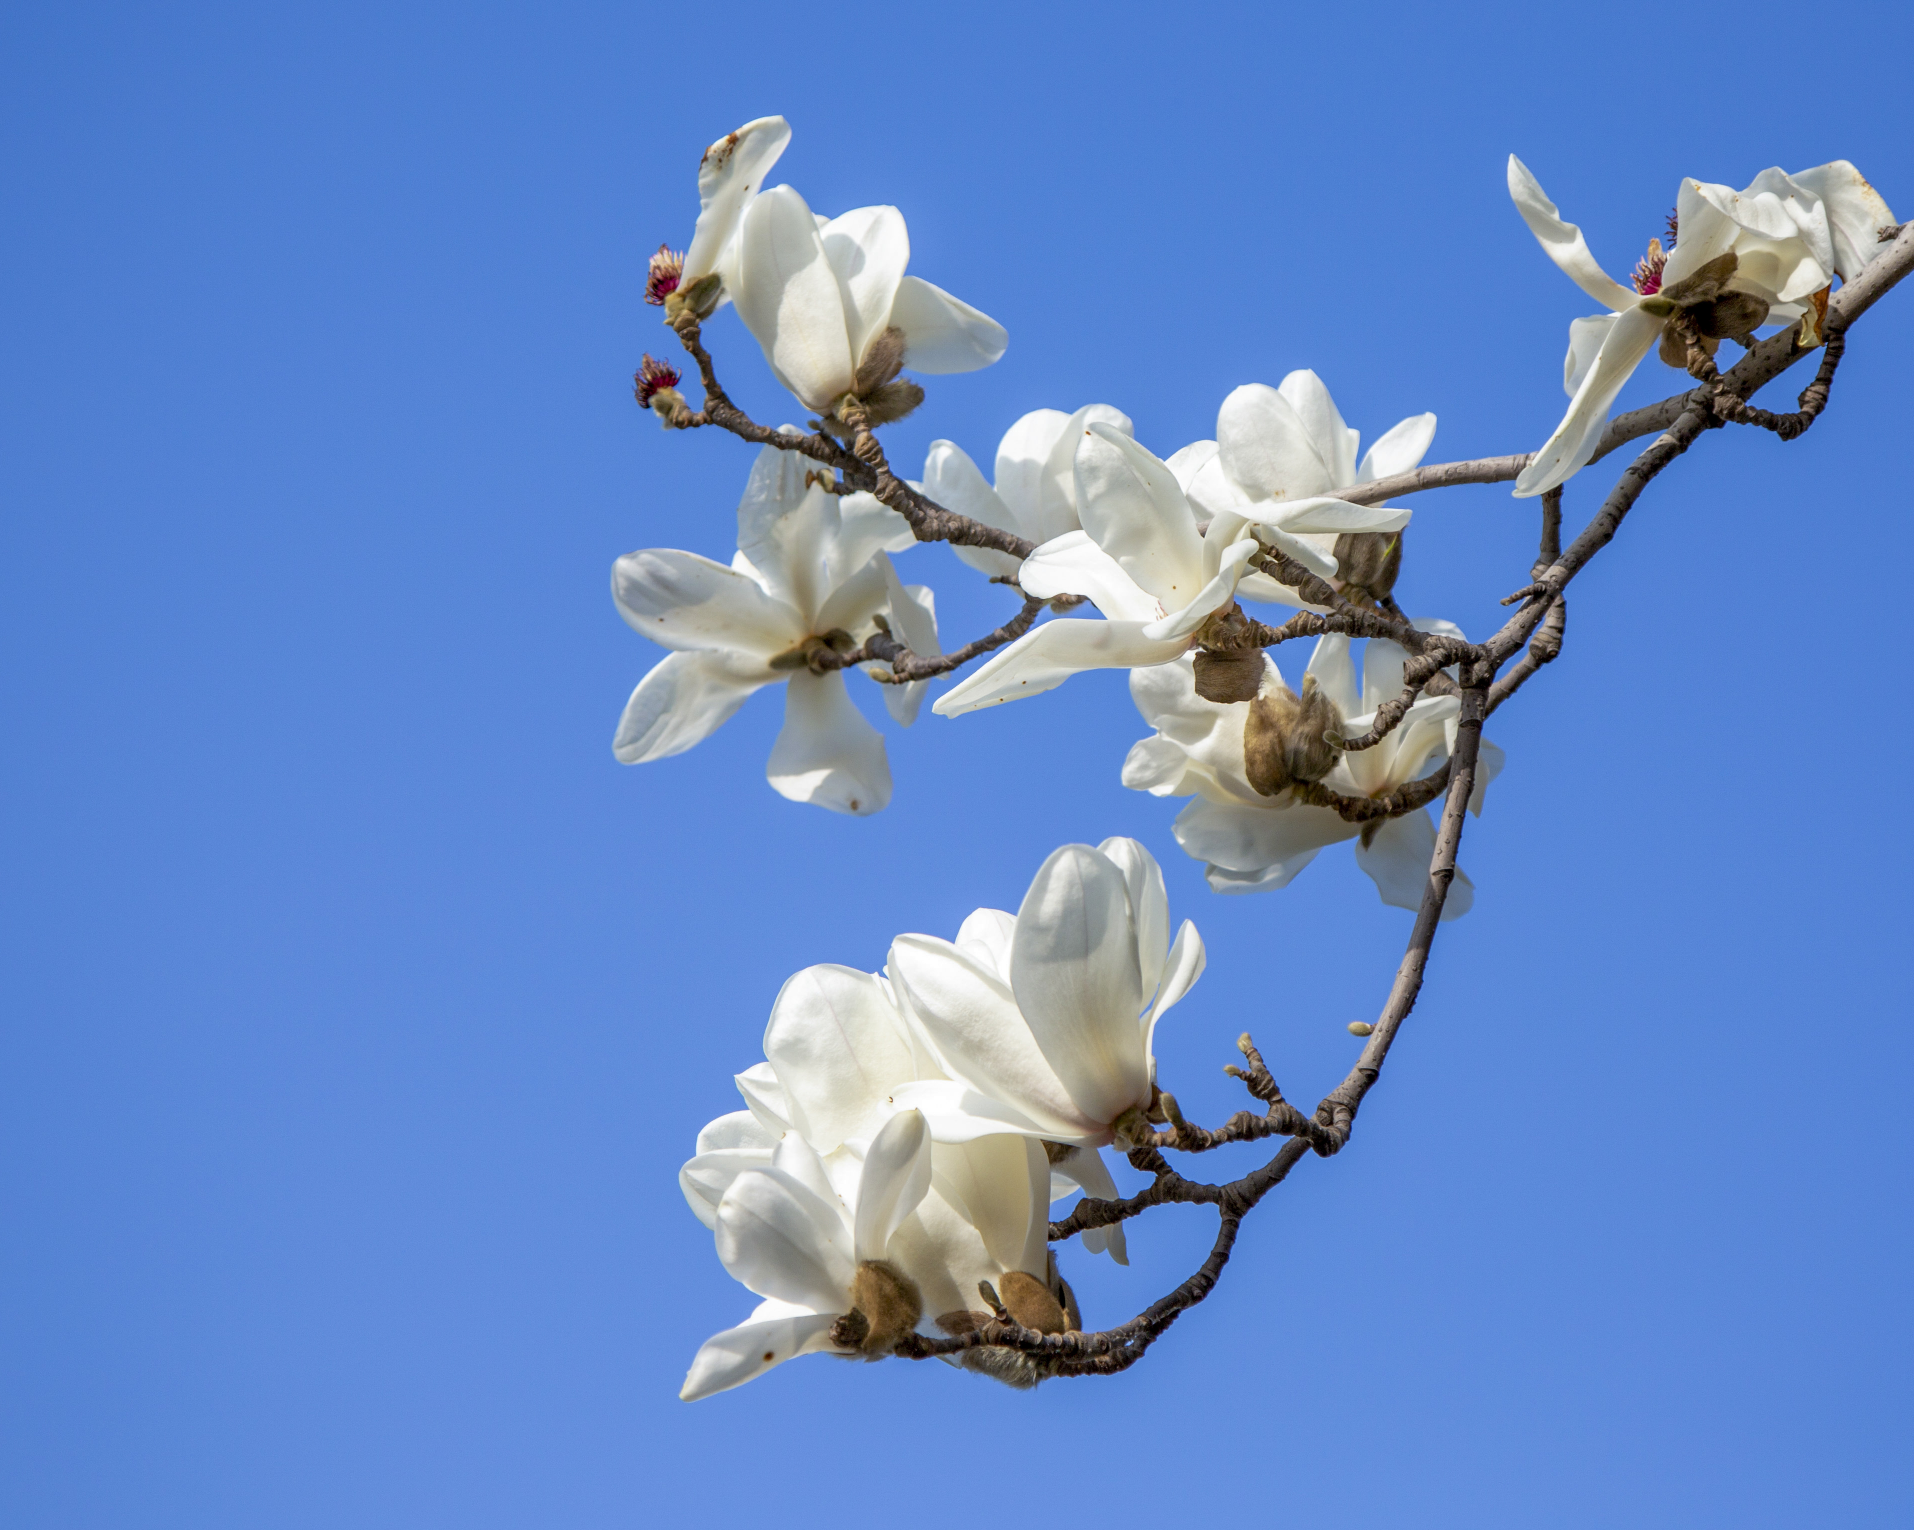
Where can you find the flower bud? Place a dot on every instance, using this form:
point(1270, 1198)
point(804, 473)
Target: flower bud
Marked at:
point(1283, 741)
point(1031, 1302)
point(885, 1307)
point(1367, 562)
point(700, 299)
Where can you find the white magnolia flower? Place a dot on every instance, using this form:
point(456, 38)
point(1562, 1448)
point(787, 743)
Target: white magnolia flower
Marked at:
point(1043, 1024)
point(1279, 448)
point(821, 296)
point(838, 1049)
point(805, 1230)
point(729, 175)
point(1036, 490)
point(1141, 559)
point(1253, 842)
point(1790, 236)
point(811, 570)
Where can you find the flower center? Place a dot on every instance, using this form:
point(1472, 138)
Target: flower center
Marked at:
point(651, 377)
point(662, 275)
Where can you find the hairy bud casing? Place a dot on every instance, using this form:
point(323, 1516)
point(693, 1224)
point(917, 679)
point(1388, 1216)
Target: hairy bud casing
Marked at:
point(1367, 562)
point(1031, 1302)
point(1283, 737)
point(885, 1307)
point(1227, 677)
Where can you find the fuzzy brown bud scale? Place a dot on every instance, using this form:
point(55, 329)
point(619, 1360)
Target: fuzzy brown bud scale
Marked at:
point(1284, 740)
point(885, 1308)
point(1367, 563)
point(1716, 311)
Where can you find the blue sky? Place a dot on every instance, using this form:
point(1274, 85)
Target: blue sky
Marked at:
point(360, 1009)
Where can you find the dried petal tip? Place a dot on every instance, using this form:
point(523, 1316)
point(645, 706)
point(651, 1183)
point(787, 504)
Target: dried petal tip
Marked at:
point(662, 275)
point(652, 377)
point(1648, 268)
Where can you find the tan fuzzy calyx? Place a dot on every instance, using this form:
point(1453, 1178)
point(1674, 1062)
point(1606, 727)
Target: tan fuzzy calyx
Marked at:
point(1283, 737)
point(1031, 1302)
point(883, 360)
point(885, 1307)
point(1227, 677)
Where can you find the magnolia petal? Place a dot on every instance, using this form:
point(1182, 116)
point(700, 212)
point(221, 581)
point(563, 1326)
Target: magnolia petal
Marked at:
point(834, 1040)
point(737, 1355)
point(970, 1019)
point(1567, 451)
point(1222, 880)
point(868, 249)
point(1180, 626)
point(1042, 660)
point(985, 938)
point(1087, 1168)
point(1185, 966)
point(1585, 340)
point(778, 1238)
point(1315, 559)
point(789, 298)
point(1073, 564)
point(1158, 766)
point(913, 612)
point(1074, 971)
point(1398, 449)
point(765, 1095)
point(682, 702)
point(827, 754)
point(1258, 839)
point(1563, 242)
point(955, 482)
point(1023, 461)
point(705, 1178)
point(989, 1178)
point(1856, 214)
point(736, 1129)
point(732, 169)
point(896, 1177)
point(1149, 906)
point(1397, 860)
point(957, 1113)
point(1264, 449)
point(944, 334)
point(865, 526)
point(1326, 514)
point(1335, 442)
point(1129, 502)
point(785, 528)
point(682, 601)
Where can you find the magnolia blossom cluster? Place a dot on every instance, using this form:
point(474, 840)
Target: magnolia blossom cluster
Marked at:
point(908, 1130)
point(1154, 550)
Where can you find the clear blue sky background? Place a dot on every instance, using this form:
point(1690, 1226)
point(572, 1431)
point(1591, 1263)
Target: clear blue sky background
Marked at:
point(359, 1009)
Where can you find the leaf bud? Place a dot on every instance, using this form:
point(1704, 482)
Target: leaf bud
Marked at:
point(885, 1307)
point(1283, 737)
point(1367, 562)
point(1361, 1028)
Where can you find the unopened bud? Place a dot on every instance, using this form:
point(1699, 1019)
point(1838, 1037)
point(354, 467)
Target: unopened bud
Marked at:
point(1283, 737)
point(1361, 1028)
point(1368, 561)
point(885, 1307)
point(699, 299)
point(1227, 677)
point(1032, 1303)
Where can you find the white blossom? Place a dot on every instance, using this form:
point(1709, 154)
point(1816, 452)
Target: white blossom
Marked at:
point(1791, 235)
point(1252, 842)
point(811, 570)
point(1285, 448)
point(1035, 494)
point(1043, 1024)
point(820, 296)
point(729, 176)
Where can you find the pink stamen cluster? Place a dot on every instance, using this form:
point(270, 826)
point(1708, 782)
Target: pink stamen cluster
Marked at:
point(1648, 269)
point(662, 275)
point(651, 376)
point(1674, 225)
